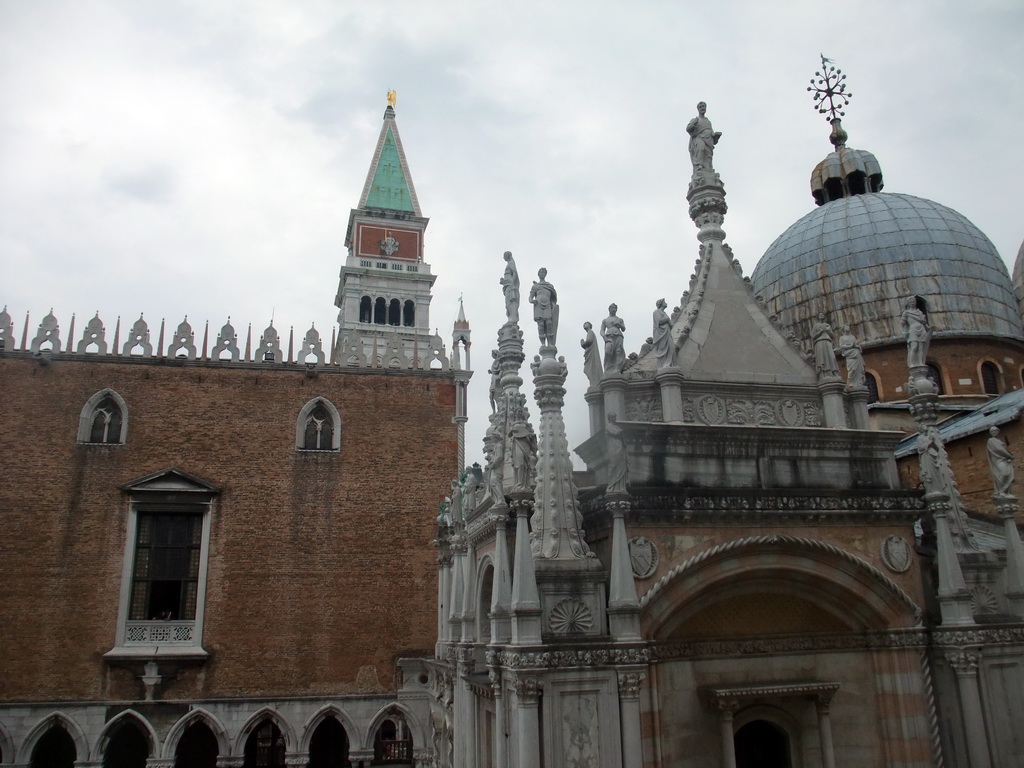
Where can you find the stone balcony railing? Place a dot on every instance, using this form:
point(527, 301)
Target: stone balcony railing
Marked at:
point(160, 633)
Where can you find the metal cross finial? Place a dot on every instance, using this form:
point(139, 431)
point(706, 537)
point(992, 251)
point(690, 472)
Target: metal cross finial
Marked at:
point(828, 87)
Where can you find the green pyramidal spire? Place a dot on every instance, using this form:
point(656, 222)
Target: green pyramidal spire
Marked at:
point(389, 184)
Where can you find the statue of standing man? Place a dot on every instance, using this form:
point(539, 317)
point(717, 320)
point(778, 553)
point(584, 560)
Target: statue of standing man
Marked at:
point(914, 323)
point(545, 308)
point(510, 287)
point(703, 139)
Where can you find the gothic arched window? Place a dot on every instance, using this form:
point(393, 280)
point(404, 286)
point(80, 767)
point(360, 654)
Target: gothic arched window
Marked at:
point(318, 427)
point(104, 419)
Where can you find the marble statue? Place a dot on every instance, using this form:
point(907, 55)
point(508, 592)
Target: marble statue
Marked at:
point(851, 352)
point(703, 139)
point(618, 467)
point(647, 346)
point(662, 335)
point(612, 329)
point(591, 356)
point(495, 389)
point(1000, 462)
point(545, 308)
point(524, 454)
point(914, 323)
point(510, 287)
point(824, 352)
point(494, 449)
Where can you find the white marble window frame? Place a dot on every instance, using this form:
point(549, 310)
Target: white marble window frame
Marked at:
point(89, 412)
point(123, 647)
point(300, 426)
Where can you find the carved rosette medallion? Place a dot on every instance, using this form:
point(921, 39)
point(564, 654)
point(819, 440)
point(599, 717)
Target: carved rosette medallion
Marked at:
point(711, 410)
point(896, 554)
point(789, 412)
point(983, 600)
point(570, 615)
point(643, 557)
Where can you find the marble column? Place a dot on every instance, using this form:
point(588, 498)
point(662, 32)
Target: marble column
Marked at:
point(595, 404)
point(297, 760)
point(629, 716)
point(859, 408)
point(623, 605)
point(965, 665)
point(528, 692)
point(670, 382)
point(613, 385)
point(726, 708)
point(500, 720)
point(831, 389)
point(1006, 506)
point(954, 599)
point(501, 588)
point(828, 757)
point(525, 596)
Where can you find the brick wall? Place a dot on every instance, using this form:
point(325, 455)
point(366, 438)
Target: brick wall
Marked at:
point(320, 572)
point(958, 359)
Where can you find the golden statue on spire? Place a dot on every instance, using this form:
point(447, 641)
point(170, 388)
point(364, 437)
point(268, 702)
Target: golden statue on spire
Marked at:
point(392, 98)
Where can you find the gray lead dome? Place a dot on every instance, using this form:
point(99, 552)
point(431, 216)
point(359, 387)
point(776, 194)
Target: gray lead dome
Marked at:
point(858, 258)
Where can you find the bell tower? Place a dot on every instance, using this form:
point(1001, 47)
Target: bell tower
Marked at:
point(384, 287)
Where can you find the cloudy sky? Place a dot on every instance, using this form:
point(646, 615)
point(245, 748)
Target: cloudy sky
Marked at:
point(201, 158)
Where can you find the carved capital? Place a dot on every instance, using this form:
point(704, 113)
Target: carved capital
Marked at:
point(528, 689)
point(964, 663)
point(726, 706)
point(630, 683)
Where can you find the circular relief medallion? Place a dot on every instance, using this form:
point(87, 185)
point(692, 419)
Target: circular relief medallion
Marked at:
point(711, 409)
point(643, 556)
point(570, 615)
point(896, 554)
point(790, 412)
point(983, 599)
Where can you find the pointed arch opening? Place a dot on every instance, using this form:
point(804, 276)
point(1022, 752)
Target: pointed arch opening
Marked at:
point(197, 747)
point(265, 747)
point(318, 427)
point(104, 419)
point(56, 741)
point(329, 746)
point(127, 747)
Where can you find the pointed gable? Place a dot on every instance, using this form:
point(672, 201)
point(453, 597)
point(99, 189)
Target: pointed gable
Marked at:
point(729, 336)
point(389, 183)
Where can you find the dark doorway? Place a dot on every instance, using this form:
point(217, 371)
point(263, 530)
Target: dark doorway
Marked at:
point(56, 749)
point(197, 748)
point(329, 746)
point(760, 744)
point(127, 748)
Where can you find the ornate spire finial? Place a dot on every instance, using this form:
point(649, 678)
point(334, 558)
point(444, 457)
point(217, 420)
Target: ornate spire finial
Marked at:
point(829, 85)
point(828, 88)
point(392, 97)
